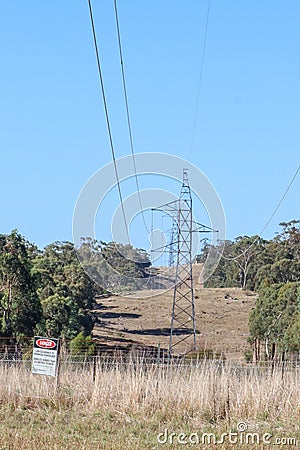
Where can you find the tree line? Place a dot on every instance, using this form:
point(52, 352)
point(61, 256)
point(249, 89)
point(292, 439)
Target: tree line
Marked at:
point(272, 268)
point(47, 292)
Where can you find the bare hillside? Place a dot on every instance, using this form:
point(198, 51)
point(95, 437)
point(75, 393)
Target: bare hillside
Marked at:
point(221, 320)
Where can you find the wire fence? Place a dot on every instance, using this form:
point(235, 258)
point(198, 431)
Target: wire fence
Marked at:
point(139, 360)
point(105, 357)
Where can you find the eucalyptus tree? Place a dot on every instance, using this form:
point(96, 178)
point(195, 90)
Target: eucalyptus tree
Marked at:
point(20, 308)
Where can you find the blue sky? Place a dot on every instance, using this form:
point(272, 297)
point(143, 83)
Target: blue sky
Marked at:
point(53, 133)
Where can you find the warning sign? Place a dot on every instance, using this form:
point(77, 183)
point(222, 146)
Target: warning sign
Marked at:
point(45, 356)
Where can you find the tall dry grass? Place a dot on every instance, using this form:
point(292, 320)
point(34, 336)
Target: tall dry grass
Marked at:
point(195, 396)
point(209, 390)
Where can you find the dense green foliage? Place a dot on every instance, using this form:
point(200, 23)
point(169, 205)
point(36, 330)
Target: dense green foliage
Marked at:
point(254, 263)
point(65, 291)
point(275, 318)
point(20, 308)
point(82, 346)
point(114, 266)
point(47, 292)
point(273, 269)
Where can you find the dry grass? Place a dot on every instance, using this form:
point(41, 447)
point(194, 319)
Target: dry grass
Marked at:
point(126, 406)
point(221, 318)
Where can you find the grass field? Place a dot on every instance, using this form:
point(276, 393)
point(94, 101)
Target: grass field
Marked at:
point(126, 407)
point(137, 406)
point(221, 319)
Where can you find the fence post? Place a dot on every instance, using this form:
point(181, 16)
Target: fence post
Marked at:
point(57, 378)
point(94, 368)
point(283, 364)
point(158, 354)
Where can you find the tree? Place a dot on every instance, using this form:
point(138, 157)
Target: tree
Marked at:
point(20, 307)
point(225, 274)
point(274, 319)
point(292, 335)
point(62, 317)
point(66, 292)
point(290, 236)
point(239, 263)
point(247, 255)
point(254, 263)
point(281, 258)
point(48, 291)
point(82, 346)
point(113, 266)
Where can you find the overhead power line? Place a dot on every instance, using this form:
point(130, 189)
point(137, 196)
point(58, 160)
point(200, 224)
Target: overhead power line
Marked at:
point(270, 218)
point(281, 200)
point(107, 119)
point(127, 114)
point(200, 78)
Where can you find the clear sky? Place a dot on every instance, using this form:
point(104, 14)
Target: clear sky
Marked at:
point(53, 132)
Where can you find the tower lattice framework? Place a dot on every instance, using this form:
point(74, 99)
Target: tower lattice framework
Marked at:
point(183, 326)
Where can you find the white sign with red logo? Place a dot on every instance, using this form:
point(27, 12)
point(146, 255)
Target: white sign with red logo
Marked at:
point(45, 356)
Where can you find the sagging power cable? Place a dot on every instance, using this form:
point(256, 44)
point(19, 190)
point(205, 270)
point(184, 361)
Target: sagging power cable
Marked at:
point(128, 115)
point(200, 78)
point(269, 220)
point(107, 119)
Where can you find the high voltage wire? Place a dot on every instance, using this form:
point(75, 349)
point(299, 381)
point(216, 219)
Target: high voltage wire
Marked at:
point(127, 107)
point(127, 113)
point(130, 128)
point(200, 78)
point(107, 119)
point(282, 199)
point(269, 220)
point(193, 135)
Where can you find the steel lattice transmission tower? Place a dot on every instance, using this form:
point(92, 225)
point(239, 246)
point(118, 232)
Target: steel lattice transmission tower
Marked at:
point(183, 327)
